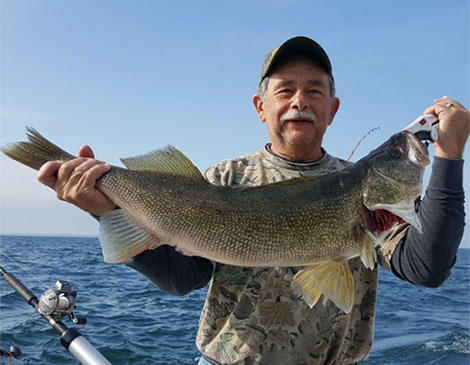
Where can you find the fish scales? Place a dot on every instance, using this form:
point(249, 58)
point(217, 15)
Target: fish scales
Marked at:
point(259, 227)
point(317, 222)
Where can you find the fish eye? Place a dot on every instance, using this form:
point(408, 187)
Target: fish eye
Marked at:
point(394, 152)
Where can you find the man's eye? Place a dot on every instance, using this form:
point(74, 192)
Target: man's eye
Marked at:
point(315, 91)
point(285, 91)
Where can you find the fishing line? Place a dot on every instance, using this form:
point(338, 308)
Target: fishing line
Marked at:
point(25, 270)
point(364, 137)
point(380, 130)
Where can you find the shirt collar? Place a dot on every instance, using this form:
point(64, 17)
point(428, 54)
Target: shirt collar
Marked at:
point(294, 164)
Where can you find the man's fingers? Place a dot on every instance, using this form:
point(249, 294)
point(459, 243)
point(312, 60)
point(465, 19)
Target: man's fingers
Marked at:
point(70, 183)
point(430, 110)
point(454, 127)
point(446, 100)
point(81, 188)
point(86, 151)
point(89, 178)
point(55, 173)
point(88, 164)
point(67, 169)
point(47, 174)
point(75, 181)
point(443, 105)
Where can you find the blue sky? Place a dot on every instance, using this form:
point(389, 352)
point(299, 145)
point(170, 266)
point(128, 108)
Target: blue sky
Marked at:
point(128, 77)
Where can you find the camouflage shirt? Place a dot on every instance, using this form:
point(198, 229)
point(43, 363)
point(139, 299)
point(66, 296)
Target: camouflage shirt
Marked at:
point(251, 316)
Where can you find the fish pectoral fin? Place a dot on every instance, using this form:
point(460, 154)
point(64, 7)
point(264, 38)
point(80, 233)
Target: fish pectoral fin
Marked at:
point(367, 254)
point(121, 239)
point(333, 279)
point(165, 160)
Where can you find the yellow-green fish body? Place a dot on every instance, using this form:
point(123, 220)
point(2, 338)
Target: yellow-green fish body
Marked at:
point(318, 222)
point(291, 225)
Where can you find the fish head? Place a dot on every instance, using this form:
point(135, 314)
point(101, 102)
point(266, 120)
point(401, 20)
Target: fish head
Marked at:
point(393, 182)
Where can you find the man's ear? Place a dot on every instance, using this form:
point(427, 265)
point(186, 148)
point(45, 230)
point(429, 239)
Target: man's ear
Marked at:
point(259, 106)
point(333, 109)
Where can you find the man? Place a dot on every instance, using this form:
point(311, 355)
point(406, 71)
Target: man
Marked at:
point(250, 314)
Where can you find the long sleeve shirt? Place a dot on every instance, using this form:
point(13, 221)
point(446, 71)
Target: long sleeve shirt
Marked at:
point(251, 315)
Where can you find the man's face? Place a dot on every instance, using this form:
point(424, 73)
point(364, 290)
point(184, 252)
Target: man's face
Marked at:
point(297, 86)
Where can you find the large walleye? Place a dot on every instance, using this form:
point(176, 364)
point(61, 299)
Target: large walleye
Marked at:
point(317, 222)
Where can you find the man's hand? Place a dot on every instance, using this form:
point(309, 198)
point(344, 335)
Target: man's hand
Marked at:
point(75, 181)
point(454, 127)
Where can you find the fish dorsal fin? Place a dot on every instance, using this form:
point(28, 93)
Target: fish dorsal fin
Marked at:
point(333, 279)
point(165, 160)
point(279, 184)
point(121, 238)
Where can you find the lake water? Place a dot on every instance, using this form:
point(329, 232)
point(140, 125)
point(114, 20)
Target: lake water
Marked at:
point(132, 322)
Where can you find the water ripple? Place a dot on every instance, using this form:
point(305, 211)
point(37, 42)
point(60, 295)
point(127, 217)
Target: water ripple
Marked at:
point(132, 322)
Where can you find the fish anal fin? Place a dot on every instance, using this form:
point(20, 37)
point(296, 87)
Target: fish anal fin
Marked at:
point(304, 286)
point(333, 279)
point(121, 238)
point(165, 160)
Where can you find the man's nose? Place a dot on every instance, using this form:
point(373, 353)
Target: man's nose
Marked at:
point(299, 101)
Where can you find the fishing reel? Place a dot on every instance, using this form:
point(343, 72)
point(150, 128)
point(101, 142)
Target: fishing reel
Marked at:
point(14, 352)
point(60, 302)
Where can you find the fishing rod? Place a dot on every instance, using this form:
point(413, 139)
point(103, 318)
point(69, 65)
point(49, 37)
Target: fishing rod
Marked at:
point(53, 305)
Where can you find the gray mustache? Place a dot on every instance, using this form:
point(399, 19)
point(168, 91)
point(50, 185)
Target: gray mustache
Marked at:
point(297, 115)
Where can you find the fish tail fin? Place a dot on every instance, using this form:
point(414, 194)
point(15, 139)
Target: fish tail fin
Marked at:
point(36, 152)
point(121, 238)
point(333, 279)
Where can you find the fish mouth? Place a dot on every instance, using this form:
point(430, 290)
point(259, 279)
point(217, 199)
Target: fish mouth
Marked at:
point(382, 217)
point(418, 154)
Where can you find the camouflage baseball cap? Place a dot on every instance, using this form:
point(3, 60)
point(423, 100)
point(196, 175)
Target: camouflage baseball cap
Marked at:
point(301, 45)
